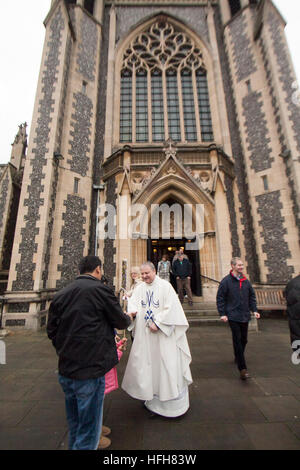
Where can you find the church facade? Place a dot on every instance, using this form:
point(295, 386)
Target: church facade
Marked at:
point(182, 111)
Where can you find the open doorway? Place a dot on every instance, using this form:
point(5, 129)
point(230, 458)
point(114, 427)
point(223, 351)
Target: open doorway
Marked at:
point(158, 247)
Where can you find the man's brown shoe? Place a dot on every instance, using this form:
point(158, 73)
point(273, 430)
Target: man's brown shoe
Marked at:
point(104, 443)
point(244, 374)
point(105, 431)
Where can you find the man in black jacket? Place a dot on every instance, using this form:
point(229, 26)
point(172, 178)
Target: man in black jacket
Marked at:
point(182, 270)
point(292, 295)
point(235, 299)
point(81, 323)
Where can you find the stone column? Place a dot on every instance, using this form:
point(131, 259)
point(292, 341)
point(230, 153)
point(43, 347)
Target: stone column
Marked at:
point(32, 227)
point(110, 84)
point(123, 243)
point(98, 10)
point(225, 11)
point(223, 240)
point(286, 103)
point(221, 125)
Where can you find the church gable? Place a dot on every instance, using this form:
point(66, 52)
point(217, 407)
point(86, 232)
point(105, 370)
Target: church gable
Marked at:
point(172, 172)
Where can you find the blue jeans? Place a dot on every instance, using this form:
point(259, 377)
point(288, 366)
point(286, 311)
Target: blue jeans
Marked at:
point(84, 409)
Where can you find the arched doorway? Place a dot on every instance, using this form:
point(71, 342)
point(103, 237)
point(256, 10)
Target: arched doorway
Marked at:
point(157, 247)
point(172, 185)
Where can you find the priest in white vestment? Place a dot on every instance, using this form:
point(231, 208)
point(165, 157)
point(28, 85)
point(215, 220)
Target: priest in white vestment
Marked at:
point(158, 368)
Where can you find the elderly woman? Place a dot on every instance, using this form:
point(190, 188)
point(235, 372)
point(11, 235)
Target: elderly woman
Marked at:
point(135, 275)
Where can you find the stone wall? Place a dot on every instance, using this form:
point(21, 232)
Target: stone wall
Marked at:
point(34, 201)
point(238, 156)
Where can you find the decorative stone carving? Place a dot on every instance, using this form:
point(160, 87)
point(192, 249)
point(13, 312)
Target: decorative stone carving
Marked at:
point(171, 170)
point(21, 135)
point(170, 150)
point(162, 47)
point(140, 179)
point(204, 179)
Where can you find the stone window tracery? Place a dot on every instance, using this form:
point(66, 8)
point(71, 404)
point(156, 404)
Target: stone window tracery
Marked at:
point(164, 90)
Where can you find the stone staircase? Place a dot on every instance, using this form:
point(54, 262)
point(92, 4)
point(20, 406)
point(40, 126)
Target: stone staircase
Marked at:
point(206, 313)
point(201, 312)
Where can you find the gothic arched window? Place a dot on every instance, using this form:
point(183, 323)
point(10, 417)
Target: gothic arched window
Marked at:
point(164, 90)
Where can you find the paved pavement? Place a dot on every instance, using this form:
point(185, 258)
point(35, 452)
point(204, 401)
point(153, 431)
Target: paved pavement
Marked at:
point(225, 412)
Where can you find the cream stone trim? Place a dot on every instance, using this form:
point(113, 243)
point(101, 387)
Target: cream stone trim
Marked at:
point(110, 85)
point(218, 105)
point(98, 10)
point(225, 10)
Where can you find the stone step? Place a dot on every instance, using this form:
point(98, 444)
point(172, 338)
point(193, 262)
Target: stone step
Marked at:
point(201, 312)
point(199, 307)
point(196, 320)
point(204, 313)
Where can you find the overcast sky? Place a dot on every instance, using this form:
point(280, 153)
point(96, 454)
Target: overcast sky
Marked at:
point(21, 41)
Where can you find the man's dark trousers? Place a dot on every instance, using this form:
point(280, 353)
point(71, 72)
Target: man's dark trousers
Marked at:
point(239, 337)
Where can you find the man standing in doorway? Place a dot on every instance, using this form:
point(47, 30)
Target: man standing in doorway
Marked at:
point(182, 270)
point(235, 300)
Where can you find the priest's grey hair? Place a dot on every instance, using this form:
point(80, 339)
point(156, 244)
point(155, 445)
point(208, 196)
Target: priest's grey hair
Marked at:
point(150, 264)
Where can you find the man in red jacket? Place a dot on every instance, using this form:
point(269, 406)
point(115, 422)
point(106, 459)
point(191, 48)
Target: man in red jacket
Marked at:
point(235, 299)
point(81, 323)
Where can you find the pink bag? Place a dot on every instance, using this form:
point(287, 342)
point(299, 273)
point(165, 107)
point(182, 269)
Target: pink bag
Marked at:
point(111, 377)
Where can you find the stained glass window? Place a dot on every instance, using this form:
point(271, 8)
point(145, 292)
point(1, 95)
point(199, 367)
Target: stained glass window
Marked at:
point(173, 105)
point(126, 107)
point(158, 132)
point(163, 85)
point(204, 107)
point(141, 106)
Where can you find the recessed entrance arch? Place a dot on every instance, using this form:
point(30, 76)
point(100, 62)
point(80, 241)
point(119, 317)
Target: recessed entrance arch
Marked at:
point(171, 185)
point(158, 247)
